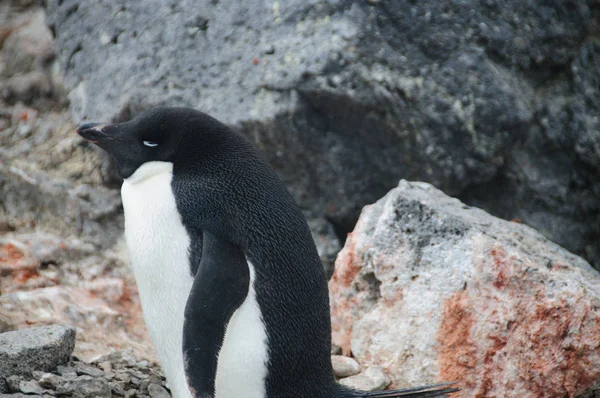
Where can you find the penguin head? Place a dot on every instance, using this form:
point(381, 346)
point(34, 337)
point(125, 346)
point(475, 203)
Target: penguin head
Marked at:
point(155, 135)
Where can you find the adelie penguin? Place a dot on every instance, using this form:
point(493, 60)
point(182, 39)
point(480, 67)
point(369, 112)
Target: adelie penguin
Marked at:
point(232, 288)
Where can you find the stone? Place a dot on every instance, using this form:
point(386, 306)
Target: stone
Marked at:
point(13, 383)
point(157, 391)
point(433, 290)
point(116, 388)
point(126, 357)
point(86, 387)
point(376, 92)
point(105, 365)
point(40, 348)
point(372, 379)
point(130, 394)
point(142, 364)
point(27, 88)
point(344, 366)
point(51, 381)
point(68, 372)
point(88, 370)
point(30, 387)
point(29, 47)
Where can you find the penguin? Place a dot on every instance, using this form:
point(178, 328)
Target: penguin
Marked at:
point(232, 288)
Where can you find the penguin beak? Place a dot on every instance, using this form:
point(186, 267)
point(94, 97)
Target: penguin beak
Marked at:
point(93, 132)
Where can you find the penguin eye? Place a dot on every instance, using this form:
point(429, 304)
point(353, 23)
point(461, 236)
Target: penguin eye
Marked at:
point(150, 144)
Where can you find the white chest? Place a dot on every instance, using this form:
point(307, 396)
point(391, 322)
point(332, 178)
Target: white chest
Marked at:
point(158, 247)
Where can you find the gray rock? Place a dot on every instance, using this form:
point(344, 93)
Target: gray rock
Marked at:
point(157, 391)
point(51, 381)
point(116, 388)
point(3, 385)
point(68, 372)
point(13, 383)
point(41, 348)
point(53, 205)
point(130, 394)
point(86, 387)
point(27, 88)
point(88, 370)
point(18, 395)
point(30, 387)
point(29, 47)
point(372, 379)
point(123, 357)
point(344, 366)
point(495, 102)
point(142, 364)
point(105, 365)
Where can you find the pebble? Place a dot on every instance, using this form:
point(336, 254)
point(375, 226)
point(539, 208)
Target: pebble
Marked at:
point(106, 366)
point(157, 391)
point(86, 386)
point(67, 372)
point(13, 383)
point(88, 370)
point(372, 379)
point(30, 387)
point(51, 381)
point(130, 394)
point(127, 378)
point(142, 364)
point(344, 366)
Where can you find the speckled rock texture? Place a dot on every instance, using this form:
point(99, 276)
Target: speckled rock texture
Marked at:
point(431, 289)
point(42, 348)
point(495, 102)
point(116, 374)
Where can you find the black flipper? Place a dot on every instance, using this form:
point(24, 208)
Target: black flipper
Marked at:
point(220, 286)
point(434, 390)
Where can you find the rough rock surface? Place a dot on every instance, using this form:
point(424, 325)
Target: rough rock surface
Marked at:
point(434, 290)
point(42, 348)
point(495, 102)
point(118, 374)
point(45, 279)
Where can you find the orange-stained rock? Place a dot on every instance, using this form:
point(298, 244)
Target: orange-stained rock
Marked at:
point(433, 290)
point(46, 279)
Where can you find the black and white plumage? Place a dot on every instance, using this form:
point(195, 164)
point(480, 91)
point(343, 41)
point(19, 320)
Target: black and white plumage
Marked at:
point(232, 288)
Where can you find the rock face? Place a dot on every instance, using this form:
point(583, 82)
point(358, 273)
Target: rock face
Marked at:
point(434, 290)
point(495, 102)
point(43, 348)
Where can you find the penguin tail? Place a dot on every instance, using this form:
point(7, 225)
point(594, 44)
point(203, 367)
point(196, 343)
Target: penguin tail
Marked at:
point(434, 390)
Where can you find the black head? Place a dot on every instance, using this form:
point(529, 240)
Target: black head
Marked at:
point(158, 134)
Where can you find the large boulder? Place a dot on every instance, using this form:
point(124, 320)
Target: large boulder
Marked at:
point(494, 102)
point(432, 289)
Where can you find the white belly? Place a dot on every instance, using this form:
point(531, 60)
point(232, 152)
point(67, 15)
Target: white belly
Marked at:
point(158, 245)
point(242, 362)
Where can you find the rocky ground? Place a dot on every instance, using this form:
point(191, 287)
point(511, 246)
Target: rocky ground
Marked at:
point(38, 362)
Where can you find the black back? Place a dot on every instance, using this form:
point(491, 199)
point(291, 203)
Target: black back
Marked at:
point(224, 187)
